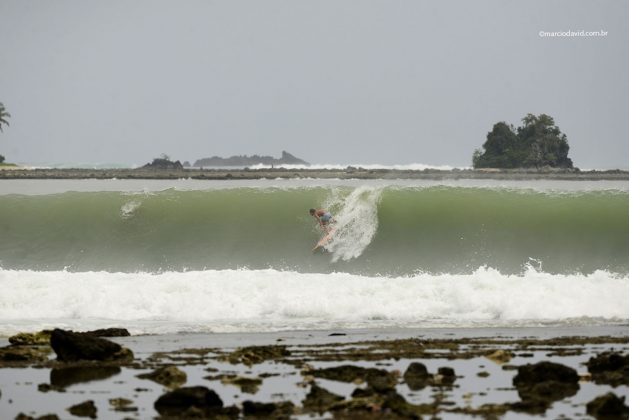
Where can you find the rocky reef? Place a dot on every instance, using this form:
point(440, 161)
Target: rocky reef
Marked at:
point(392, 379)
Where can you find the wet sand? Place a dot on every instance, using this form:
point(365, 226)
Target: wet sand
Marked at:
point(304, 374)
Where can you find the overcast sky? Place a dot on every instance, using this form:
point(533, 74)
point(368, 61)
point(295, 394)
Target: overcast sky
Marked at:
point(358, 81)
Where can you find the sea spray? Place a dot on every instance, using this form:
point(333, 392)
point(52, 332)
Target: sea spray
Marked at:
point(355, 222)
point(129, 208)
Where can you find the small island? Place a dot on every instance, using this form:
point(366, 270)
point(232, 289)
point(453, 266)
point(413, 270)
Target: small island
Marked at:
point(244, 160)
point(538, 144)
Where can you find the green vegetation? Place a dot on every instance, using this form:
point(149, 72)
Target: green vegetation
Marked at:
point(3, 116)
point(537, 143)
point(3, 121)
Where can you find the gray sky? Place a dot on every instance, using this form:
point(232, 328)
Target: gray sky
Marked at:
point(357, 81)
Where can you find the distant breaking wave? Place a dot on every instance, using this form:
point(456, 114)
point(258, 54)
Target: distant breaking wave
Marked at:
point(315, 166)
point(369, 166)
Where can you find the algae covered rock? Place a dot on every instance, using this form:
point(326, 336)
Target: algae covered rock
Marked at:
point(500, 356)
point(198, 399)
point(122, 404)
point(109, 332)
point(20, 355)
point(541, 384)
point(257, 354)
point(416, 376)
point(23, 416)
point(608, 406)
point(280, 410)
point(385, 405)
point(85, 409)
point(445, 376)
point(320, 400)
point(246, 385)
point(610, 368)
point(70, 346)
point(31, 339)
point(169, 376)
point(351, 373)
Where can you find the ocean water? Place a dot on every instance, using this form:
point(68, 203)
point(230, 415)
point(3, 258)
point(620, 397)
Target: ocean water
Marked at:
point(169, 256)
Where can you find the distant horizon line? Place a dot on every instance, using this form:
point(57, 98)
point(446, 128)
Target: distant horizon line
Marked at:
point(337, 166)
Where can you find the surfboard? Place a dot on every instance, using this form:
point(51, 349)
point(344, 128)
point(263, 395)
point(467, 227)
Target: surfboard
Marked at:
point(324, 241)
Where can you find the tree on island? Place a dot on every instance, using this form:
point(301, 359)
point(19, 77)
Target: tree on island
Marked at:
point(3, 116)
point(3, 121)
point(537, 143)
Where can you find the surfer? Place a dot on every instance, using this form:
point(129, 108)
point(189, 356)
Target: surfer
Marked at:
point(324, 218)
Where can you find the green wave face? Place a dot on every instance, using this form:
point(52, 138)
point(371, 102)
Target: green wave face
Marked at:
point(392, 231)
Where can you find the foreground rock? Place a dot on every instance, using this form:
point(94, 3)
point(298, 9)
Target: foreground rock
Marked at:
point(23, 416)
point(169, 376)
point(608, 406)
point(246, 385)
point(281, 410)
point(26, 348)
point(385, 405)
point(319, 400)
point(40, 338)
point(541, 384)
point(417, 376)
point(70, 346)
point(122, 404)
point(444, 376)
point(193, 402)
point(500, 356)
point(109, 332)
point(85, 409)
point(377, 379)
point(610, 368)
point(257, 354)
point(21, 355)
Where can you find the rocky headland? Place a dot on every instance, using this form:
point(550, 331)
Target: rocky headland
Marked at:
point(244, 160)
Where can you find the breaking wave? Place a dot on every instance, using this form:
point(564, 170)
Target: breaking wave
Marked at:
point(380, 230)
point(271, 300)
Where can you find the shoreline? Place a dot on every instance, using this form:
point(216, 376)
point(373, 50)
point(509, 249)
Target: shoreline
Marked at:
point(347, 173)
point(396, 373)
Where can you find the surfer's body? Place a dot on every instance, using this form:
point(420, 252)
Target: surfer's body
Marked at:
point(324, 218)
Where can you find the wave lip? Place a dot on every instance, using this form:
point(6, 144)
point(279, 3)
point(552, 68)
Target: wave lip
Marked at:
point(271, 300)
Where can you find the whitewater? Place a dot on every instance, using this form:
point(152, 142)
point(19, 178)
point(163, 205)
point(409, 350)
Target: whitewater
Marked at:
point(159, 257)
point(271, 300)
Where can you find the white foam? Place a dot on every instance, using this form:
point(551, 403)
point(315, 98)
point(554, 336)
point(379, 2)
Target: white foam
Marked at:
point(356, 217)
point(368, 166)
point(271, 300)
point(128, 209)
